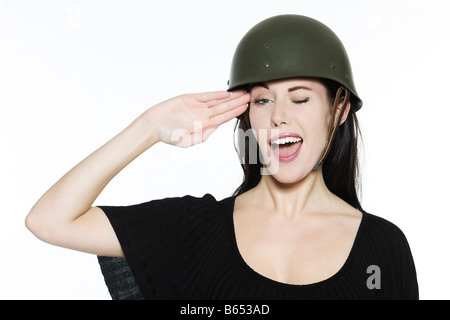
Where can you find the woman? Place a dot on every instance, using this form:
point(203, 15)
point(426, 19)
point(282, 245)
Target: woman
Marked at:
point(294, 229)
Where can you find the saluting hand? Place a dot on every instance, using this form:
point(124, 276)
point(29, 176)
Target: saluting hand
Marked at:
point(190, 119)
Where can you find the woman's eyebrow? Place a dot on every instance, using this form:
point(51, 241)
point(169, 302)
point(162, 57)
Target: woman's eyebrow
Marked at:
point(264, 85)
point(299, 88)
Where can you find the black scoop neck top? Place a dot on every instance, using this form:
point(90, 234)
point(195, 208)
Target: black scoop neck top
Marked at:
point(185, 248)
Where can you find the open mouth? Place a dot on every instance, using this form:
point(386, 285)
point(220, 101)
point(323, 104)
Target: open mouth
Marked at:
point(286, 146)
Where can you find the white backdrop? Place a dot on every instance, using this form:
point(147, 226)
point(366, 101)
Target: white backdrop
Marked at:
point(74, 73)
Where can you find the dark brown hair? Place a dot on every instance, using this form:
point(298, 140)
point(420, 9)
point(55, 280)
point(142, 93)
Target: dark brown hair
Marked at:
point(340, 168)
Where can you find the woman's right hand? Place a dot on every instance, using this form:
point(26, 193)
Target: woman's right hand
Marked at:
point(64, 215)
point(190, 119)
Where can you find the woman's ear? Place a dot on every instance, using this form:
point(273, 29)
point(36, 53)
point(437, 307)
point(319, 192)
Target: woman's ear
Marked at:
point(346, 111)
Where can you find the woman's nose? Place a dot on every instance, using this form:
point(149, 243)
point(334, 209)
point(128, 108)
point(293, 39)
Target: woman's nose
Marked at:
point(279, 114)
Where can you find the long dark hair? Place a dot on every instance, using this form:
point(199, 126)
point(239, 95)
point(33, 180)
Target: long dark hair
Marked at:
point(340, 168)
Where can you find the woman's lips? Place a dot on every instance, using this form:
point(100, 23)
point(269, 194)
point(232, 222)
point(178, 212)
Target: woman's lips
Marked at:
point(287, 153)
point(286, 146)
point(283, 136)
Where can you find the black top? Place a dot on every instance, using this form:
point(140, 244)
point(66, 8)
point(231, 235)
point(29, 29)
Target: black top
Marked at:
point(185, 248)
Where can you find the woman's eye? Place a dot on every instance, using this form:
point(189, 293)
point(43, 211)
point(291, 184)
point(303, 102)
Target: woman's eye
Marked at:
point(301, 101)
point(261, 102)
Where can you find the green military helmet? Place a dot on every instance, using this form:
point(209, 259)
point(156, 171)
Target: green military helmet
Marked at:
point(291, 45)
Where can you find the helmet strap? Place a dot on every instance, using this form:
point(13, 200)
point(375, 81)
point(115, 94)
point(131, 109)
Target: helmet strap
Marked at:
point(335, 122)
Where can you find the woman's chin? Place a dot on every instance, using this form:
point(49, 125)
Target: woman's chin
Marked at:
point(288, 177)
point(287, 173)
point(286, 180)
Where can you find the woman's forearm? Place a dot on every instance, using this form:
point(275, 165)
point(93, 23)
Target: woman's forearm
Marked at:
point(76, 191)
point(64, 215)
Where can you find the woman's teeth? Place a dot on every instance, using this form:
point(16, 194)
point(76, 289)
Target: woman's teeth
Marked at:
point(287, 140)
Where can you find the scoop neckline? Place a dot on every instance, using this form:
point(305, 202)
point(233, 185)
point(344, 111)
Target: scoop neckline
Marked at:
point(259, 276)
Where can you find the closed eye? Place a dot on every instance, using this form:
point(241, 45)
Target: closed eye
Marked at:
point(262, 102)
point(301, 101)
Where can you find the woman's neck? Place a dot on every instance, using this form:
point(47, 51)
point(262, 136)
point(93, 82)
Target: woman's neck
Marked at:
point(303, 197)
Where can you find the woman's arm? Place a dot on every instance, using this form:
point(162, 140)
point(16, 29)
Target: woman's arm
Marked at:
point(64, 215)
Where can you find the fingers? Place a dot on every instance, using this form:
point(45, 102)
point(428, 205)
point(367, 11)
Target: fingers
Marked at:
point(230, 104)
point(228, 115)
point(233, 95)
point(216, 95)
point(213, 98)
point(210, 109)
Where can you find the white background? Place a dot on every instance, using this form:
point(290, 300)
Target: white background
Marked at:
point(75, 73)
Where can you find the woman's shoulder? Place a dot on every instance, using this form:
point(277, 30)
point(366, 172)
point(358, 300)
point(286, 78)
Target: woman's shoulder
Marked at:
point(381, 225)
point(185, 201)
point(191, 203)
point(169, 209)
point(170, 203)
point(380, 232)
point(385, 245)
